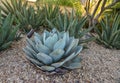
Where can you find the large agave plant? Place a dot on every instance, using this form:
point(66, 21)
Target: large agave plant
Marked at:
point(53, 50)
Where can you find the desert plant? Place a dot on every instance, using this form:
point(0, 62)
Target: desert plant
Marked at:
point(95, 9)
point(50, 12)
point(71, 23)
point(7, 31)
point(30, 18)
point(11, 6)
point(53, 50)
point(109, 32)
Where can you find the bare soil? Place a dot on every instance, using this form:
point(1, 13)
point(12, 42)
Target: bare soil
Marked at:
point(99, 65)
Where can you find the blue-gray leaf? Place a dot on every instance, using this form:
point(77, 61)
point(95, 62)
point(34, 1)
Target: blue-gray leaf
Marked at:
point(44, 58)
point(50, 41)
point(47, 68)
point(59, 44)
point(72, 46)
point(38, 36)
point(59, 64)
point(36, 62)
point(57, 54)
point(28, 53)
point(34, 53)
point(31, 44)
point(37, 40)
point(42, 48)
point(72, 65)
point(47, 33)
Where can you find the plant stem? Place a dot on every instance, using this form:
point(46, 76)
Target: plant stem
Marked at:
point(96, 8)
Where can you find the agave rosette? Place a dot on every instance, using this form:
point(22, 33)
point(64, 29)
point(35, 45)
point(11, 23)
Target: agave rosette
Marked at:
point(53, 50)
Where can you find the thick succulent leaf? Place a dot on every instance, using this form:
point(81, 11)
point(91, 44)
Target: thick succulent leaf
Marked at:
point(31, 44)
point(59, 44)
point(72, 65)
point(76, 59)
point(66, 38)
point(28, 53)
point(47, 33)
point(44, 58)
point(61, 34)
point(47, 68)
point(34, 61)
point(42, 48)
point(37, 37)
point(70, 40)
point(72, 46)
point(44, 37)
point(50, 41)
point(70, 57)
point(78, 49)
point(37, 40)
point(59, 64)
point(57, 54)
point(31, 51)
point(75, 44)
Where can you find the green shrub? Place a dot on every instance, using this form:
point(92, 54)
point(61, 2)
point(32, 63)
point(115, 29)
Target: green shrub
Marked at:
point(11, 6)
point(30, 18)
point(109, 32)
point(50, 12)
point(7, 31)
point(72, 24)
point(53, 50)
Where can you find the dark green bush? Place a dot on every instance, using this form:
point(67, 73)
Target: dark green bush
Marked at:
point(109, 32)
point(7, 31)
point(30, 18)
point(71, 23)
point(50, 12)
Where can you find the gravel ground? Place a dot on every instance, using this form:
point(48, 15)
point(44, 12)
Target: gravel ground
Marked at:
point(99, 65)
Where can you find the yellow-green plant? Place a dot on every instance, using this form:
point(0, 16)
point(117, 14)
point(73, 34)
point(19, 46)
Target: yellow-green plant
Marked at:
point(79, 8)
point(95, 11)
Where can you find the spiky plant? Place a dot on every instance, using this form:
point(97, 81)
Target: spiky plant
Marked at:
point(71, 23)
point(53, 50)
point(109, 32)
point(30, 18)
point(7, 31)
point(11, 6)
point(50, 12)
